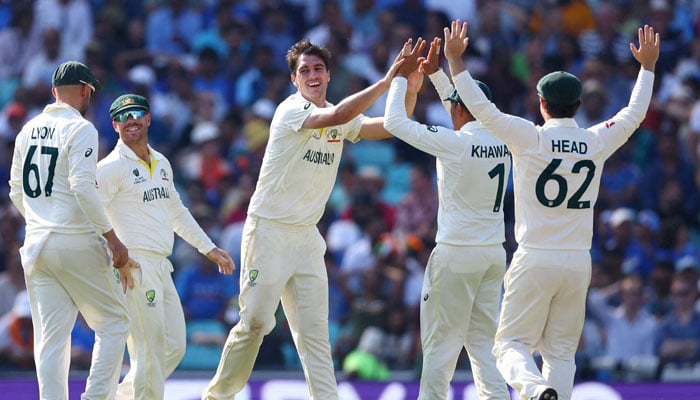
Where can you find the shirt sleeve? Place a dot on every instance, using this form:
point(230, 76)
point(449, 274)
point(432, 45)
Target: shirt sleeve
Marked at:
point(351, 130)
point(434, 140)
point(518, 133)
point(82, 166)
point(107, 183)
point(292, 114)
point(443, 86)
point(617, 130)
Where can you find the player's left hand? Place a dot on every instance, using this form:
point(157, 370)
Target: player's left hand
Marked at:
point(456, 40)
point(223, 260)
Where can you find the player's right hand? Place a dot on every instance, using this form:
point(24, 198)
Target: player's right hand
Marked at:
point(125, 274)
point(120, 254)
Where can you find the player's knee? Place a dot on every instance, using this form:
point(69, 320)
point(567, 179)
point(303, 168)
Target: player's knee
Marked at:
point(258, 327)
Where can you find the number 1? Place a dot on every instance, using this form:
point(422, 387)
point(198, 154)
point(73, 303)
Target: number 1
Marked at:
point(500, 171)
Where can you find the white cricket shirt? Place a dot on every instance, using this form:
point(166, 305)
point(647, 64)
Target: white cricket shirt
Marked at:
point(557, 166)
point(472, 171)
point(300, 165)
point(52, 178)
point(143, 204)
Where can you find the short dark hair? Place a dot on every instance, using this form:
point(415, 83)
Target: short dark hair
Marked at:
point(561, 110)
point(302, 47)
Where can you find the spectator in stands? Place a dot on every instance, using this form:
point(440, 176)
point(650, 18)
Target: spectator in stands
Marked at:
point(669, 168)
point(72, 18)
point(171, 27)
point(364, 362)
point(417, 211)
point(11, 281)
point(17, 334)
point(677, 339)
point(18, 42)
point(204, 293)
point(629, 327)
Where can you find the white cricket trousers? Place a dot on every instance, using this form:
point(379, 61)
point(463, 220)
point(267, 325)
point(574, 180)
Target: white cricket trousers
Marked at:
point(74, 273)
point(279, 261)
point(157, 338)
point(543, 308)
point(459, 308)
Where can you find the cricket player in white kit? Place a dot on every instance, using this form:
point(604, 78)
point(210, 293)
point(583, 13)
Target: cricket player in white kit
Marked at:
point(137, 188)
point(282, 250)
point(556, 175)
point(463, 278)
point(65, 257)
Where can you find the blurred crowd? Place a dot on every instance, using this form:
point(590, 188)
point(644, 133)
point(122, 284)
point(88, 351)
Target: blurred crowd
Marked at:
point(214, 71)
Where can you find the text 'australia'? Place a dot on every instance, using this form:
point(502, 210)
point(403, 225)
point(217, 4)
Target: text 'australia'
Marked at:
point(479, 151)
point(155, 194)
point(319, 157)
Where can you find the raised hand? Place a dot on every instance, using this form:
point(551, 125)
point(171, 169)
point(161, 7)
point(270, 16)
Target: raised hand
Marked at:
point(456, 40)
point(398, 61)
point(411, 59)
point(648, 52)
point(430, 64)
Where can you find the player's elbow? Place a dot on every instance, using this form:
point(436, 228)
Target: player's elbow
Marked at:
point(391, 123)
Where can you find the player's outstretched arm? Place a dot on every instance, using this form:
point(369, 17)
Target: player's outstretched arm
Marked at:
point(649, 46)
point(353, 105)
point(373, 128)
point(222, 259)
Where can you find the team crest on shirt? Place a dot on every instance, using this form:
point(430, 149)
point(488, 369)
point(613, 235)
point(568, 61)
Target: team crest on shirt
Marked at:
point(333, 136)
point(137, 176)
point(164, 175)
point(150, 298)
point(252, 276)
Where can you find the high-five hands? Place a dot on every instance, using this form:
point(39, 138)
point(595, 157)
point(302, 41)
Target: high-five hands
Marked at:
point(430, 64)
point(411, 59)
